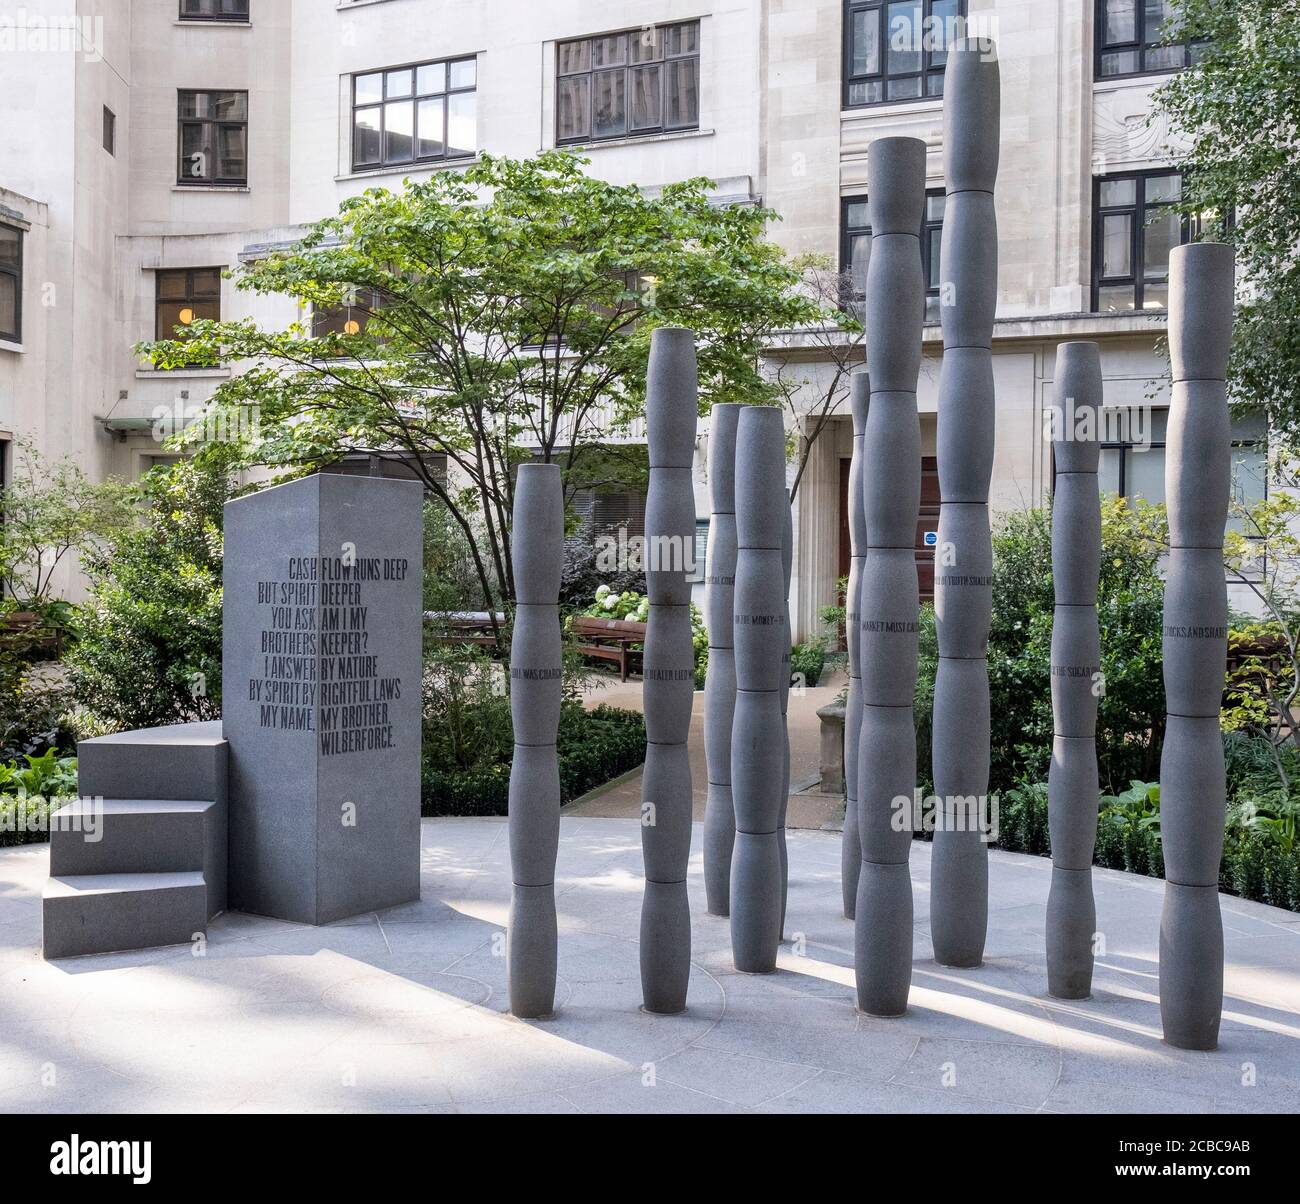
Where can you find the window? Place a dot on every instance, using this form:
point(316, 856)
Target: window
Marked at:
point(213, 138)
point(897, 49)
point(350, 318)
point(1129, 33)
point(855, 248)
point(184, 295)
point(1133, 457)
point(214, 10)
point(643, 81)
point(11, 284)
point(414, 114)
point(1133, 233)
point(110, 131)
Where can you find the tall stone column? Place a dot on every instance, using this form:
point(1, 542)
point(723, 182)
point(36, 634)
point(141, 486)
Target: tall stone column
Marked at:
point(787, 570)
point(762, 642)
point(851, 848)
point(536, 689)
point(669, 670)
point(1072, 789)
point(720, 684)
point(1193, 791)
point(963, 579)
point(889, 601)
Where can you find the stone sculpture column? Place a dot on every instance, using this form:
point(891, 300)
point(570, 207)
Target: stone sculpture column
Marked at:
point(889, 601)
point(963, 580)
point(787, 572)
point(1072, 788)
point(1198, 473)
point(669, 670)
point(851, 848)
point(762, 641)
point(536, 688)
point(720, 684)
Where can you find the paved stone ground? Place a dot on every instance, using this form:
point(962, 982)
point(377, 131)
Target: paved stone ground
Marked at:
point(405, 1011)
point(808, 808)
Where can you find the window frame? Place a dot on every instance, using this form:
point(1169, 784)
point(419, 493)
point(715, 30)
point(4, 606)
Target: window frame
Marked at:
point(663, 126)
point(928, 224)
point(928, 68)
point(415, 97)
point(1188, 232)
point(242, 19)
point(16, 273)
point(1140, 44)
point(191, 296)
point(217, 124)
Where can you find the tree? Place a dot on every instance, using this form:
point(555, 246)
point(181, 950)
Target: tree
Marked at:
point(834, 335)
point(49, 509)
point(149, 647)
point(502, 309)
point(1236, 109)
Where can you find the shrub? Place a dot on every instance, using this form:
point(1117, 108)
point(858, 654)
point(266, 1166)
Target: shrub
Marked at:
point(30, 789)
point(149, 650)
point(808, 660)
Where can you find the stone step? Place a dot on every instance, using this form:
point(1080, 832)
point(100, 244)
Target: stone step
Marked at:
point(102, 913)
point(184, 760)
point(139, 836)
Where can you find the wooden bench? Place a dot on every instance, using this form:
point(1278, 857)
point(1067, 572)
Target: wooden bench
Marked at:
point(468, 627)
point(609, 640)
point(28, 632)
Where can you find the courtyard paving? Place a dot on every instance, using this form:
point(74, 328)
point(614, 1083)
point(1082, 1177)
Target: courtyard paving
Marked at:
point(406, 1010)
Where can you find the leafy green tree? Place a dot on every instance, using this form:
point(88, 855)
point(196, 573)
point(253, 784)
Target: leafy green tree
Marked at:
point(149, 648)
point(1236, 112)
point(505, 307)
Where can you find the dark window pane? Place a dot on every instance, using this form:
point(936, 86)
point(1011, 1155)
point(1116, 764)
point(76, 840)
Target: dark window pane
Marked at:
point(608, 112)
point(206, 283)
point(646, 45)
point(935, 241)
point(366, 146)
point(859, 260)
point(399, 131)
point(370, 88)
point(1120, 24)
point(397, 84)
point(464, 73)
point(172, 286)
point(610, 51)
point(11, 242)
point(230, 106)
point(1115, 297)
point(1164, 58)
point(683, 94)
point(647, 97)
point(867, 92)
point(1157, 13)
point(462, 123)
point(1117, 245)
point(906, 88)
point(431, 78)
point(864, 49)
point(903, 36)
point(1120, 62)
point(232, 157)
point(573, 107)
point(8, 305)
point(683, 39)
point(857, 215)
point(1160, 189)
point(935, 204)
point(1155, 296)
point(432, 137)
point(194, 104)
point(194, 152)
point(1118, 192)
point(1158, 240)
point(574, 56)
point(942, 30)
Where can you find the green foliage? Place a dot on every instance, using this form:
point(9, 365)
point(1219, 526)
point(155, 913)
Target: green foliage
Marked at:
point(51, 508)
point(149, 650)
point(593, 748)
point(1234, 112)
point(30, 789)
point(450, 582)
point(1022, 819)
point(515, 305)
point(808, 660)
point(1130, 720)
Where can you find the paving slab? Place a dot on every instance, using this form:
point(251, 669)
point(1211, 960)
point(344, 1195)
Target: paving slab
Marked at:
point(405, 1010)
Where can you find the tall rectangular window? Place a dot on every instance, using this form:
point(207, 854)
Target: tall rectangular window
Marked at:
point(110, 131)
point(182, 296)
point(416, 114)
point(642, 81)
point(352, 317)
point(11, 284)
point(214, 10)
point(1129, 36)
point(897, 49)
point(855, 248)
point(1133, 232)
point(213, 138)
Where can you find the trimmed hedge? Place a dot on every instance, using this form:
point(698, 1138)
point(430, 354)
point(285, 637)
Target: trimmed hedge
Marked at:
point(594, 747)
